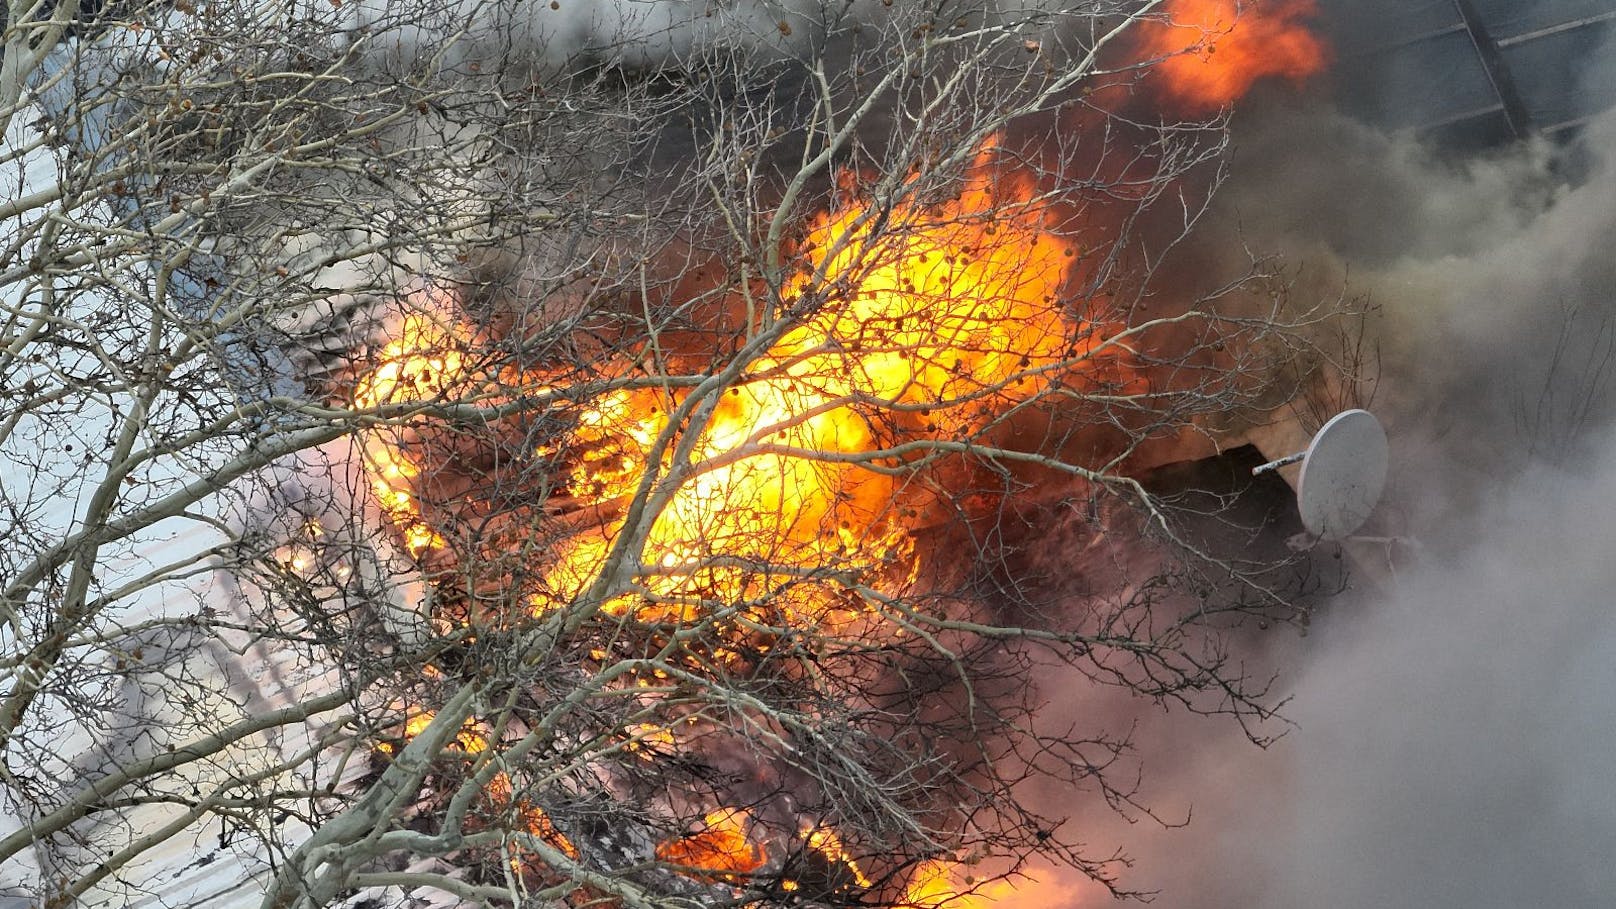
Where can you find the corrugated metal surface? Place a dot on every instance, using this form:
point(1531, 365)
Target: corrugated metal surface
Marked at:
point(1475, 71)
point(1506, 18)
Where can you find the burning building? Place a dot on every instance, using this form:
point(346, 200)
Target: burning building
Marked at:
point(688, 475)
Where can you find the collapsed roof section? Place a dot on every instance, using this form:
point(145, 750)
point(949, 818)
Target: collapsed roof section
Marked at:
point(1475, 72)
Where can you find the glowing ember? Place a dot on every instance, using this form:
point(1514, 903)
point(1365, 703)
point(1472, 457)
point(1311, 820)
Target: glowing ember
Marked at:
point(1215, 50)
point(720, 850)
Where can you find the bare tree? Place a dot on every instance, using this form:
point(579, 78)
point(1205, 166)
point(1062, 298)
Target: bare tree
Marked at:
point(544, 456)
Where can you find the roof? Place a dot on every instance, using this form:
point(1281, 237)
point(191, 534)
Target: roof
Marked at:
point(1475, 71)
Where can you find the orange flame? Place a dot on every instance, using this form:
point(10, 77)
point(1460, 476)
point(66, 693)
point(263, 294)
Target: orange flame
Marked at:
point(941, 884)
point(930, 320)
point(1213, 51)
point(470, 738)
point(532, 818)
point(933, 884)
point(927, 327)
point(828, 844)
point(721, 850)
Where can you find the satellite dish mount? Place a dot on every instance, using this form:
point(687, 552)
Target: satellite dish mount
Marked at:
point(1343, 474)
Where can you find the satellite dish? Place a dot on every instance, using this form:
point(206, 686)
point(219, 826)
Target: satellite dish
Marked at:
point(1343, 474)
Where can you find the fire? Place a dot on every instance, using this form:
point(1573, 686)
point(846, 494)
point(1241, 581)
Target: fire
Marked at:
point(531, 818)
point(421, 363)
point(924, 330)
point(928, 327)
point(940, 884)
point(1213, 51)
point(953, 302)
point(923, 324)
point(917, 326)
point(470, 738)
point(828, 844)
point(932, 884)
point(721, 850)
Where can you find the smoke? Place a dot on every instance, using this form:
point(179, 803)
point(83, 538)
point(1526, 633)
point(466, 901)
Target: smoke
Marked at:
point(635, 34)
point(1450, 745)
point(1452, 742)
point(1452, 739)
point(1455, 735)
point(632, 33)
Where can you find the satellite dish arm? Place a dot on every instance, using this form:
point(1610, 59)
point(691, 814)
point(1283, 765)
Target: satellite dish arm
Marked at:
point(1271, 466)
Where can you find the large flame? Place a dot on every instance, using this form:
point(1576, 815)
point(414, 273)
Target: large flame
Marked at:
point(917, 325)
point(1212, 51)
point(924, 324)
point(926, 327)
point(928, 323)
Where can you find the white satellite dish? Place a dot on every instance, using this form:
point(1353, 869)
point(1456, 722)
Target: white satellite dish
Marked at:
point(1343, 474)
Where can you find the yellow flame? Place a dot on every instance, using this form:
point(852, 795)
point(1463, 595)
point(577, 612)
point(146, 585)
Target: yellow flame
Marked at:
point(421, 363)
point(471, 737)
point(828, 844)
point(924, 330)
point(944, 316)
point(941, 884)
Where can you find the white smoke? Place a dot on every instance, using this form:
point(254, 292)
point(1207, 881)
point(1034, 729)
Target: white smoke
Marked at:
point(1453, 743)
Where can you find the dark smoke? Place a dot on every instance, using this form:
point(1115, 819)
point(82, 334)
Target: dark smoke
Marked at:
point(1453, 743)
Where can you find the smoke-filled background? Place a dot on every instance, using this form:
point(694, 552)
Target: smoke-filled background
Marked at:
point(1454, 734)
point(1450, 739)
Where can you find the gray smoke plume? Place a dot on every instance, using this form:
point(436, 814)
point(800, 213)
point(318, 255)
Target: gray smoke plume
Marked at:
point(1453, 741)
